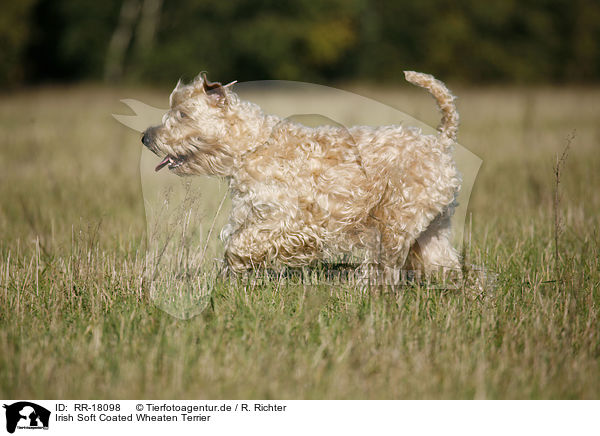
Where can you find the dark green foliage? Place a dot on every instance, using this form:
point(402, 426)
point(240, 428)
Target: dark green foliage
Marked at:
point(374, 40)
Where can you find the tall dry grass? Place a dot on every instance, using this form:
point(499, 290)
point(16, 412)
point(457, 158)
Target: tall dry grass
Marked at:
point(77, 315)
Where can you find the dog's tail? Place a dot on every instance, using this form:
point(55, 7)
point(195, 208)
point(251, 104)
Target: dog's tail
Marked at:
point(448, 127)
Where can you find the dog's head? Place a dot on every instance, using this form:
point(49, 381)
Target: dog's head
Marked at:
point(203, 132)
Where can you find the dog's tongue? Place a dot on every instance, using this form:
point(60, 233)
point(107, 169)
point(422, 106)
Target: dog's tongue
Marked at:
point(164, 162)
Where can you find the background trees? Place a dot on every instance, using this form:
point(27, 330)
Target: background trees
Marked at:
point(326, 40)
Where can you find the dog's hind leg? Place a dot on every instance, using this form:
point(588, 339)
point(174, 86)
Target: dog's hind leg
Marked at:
point(433, 252)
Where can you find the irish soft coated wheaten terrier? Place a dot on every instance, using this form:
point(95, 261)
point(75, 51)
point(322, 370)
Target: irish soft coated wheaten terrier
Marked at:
point(302, 194)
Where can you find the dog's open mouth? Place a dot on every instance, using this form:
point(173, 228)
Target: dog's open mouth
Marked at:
point(172, 162)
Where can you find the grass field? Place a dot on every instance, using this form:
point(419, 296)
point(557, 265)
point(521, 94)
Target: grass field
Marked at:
point(77, 321)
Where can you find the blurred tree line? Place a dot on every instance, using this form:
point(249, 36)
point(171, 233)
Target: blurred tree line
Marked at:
point(324, 40)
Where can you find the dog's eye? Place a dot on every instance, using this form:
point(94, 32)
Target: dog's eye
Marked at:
point(182, 114)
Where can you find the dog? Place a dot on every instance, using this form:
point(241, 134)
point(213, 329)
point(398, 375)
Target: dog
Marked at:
point(302, 194)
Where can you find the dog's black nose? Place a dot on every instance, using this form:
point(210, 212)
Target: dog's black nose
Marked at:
point(146, 139)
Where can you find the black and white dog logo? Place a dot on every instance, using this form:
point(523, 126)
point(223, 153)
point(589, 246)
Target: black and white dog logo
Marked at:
point(26, 415)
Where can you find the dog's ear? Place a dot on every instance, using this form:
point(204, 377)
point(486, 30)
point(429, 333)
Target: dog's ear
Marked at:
point(179, 93)
point(210, 86)
point(215, 90)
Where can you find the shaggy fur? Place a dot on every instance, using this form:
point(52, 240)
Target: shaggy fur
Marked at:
point(300, 194)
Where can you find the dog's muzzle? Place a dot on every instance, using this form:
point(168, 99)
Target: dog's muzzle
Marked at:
point(148, 138)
